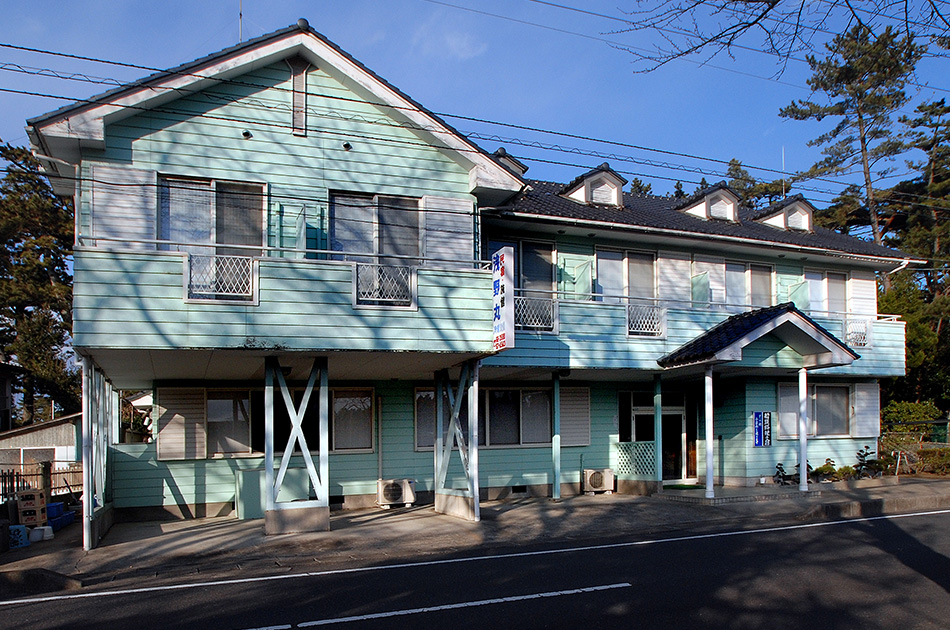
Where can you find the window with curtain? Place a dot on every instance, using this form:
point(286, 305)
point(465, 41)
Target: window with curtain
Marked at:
point(375, 224)
point(195, 214)
point(829, 410)
point(351, 426)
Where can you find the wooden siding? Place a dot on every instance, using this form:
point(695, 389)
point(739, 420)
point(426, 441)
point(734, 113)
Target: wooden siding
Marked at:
point(141, 479)
point(593, 335)
point(135, 301)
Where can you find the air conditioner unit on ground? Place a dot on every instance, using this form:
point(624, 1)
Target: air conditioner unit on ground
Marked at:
point(598, 480)
point(391, 492)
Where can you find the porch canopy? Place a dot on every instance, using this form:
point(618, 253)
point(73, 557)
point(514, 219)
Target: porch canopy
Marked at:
point(725, 344)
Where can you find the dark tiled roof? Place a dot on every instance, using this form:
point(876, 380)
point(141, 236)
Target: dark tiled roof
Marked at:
point(727, 332)
point(603, 168)
point(649, 212)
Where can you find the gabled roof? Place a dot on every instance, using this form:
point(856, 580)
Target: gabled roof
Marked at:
point(649, 214)
point(724, 342)
point(60, 133)
point(777, 207)
point(699, 195)
point(577, 181)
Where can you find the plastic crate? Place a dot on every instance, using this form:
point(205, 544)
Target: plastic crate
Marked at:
point(54, 510)
point(30, 499)
point(19, 537)
point(33, 516)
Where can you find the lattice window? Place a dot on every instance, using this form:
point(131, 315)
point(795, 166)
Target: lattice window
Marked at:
point(645, 320)
point(536, 313)
point(220, 277)
point(857, 333)
point(383, 285)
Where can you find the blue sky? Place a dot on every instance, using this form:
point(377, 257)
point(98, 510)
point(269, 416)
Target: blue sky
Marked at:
point(527, 65)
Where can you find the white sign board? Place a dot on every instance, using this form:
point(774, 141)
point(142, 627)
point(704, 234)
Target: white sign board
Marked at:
point(503, 299)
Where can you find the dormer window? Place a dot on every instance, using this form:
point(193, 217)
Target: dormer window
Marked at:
point(793, 213)
point(602, 192)
point(716, 202)
point(601, 186)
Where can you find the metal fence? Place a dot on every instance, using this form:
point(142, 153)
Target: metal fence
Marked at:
point(389, 285)
point(645, 320)
point(220, 277)
point(534, 313)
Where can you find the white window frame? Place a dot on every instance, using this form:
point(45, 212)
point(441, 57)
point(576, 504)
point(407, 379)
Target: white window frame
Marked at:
point(375, 254)
point(625, 274)
point(812, 416)
point(747, 273)
point(333, 420)
point(825, 293)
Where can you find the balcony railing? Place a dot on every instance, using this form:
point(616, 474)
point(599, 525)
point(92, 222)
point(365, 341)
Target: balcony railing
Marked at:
point(645, 320)
point(383, 285)
point(536, 313)
point(857, 332)
point(211, 277)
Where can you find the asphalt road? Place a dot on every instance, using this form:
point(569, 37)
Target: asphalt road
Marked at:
point(887, 572)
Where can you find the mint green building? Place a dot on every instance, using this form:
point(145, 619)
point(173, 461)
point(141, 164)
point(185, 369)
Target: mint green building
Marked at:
point(298, 261)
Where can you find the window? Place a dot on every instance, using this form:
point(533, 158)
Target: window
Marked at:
point(375, 225)
point(351, 426)
point(507, 417)
point(537, 269)
point(640, 279)
point(748, 285)
point(425, 418)
point(229, 422)
point(195, 423)
point(196, 214)
point(829, 410)
point(827, 291)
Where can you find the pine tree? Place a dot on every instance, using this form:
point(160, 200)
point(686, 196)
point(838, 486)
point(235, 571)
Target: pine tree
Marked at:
point(36, 237)
point(862, 79)
point(639, 187)
point(703, 185)
point(751, 191)
point(678, 191)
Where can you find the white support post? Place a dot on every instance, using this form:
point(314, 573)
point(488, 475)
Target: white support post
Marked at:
point(463, 503)
point(473, 439)
point(270, 364)
point(87, 468)
point(324, 451)
point(658, 429)
point(803, 430)
point(710, 491)
point(556, 438)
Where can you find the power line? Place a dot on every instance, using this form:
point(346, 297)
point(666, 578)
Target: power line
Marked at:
point(460, 117)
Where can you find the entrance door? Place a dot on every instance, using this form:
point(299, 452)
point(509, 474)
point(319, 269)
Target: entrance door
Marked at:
point(679, 447)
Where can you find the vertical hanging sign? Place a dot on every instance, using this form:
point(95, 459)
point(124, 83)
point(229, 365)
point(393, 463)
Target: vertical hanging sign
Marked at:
point(503, 299)
point(762, 428)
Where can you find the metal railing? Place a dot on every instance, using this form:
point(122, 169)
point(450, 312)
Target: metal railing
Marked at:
point(536, 313)
point(857, 332)
point(384, 285)
point(637, 459)
point(212, 277)
point(645, 320)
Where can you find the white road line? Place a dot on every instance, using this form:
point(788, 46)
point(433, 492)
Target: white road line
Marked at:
point(274, 628)
point(429, 563)
point(482, 602)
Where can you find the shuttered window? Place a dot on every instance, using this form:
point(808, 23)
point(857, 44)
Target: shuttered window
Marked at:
point(830, 411)
point(575, 416)
point(123, 207)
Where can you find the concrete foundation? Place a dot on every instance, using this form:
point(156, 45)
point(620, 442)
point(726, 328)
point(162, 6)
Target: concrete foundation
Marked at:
point(642, 488)
point(452, 505)
point(310, 519)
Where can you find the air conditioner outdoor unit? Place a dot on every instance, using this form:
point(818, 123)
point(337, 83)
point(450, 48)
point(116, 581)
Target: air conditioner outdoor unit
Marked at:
point(391, 492)
point(598, 480)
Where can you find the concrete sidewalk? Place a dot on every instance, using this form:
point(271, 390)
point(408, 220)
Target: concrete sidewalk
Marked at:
point(150, 553)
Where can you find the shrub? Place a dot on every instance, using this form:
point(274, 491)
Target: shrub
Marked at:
point(901, 416)
point(934, 460)
point(846, 472)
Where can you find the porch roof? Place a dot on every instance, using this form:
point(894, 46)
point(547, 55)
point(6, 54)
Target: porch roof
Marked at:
point(724, 343)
